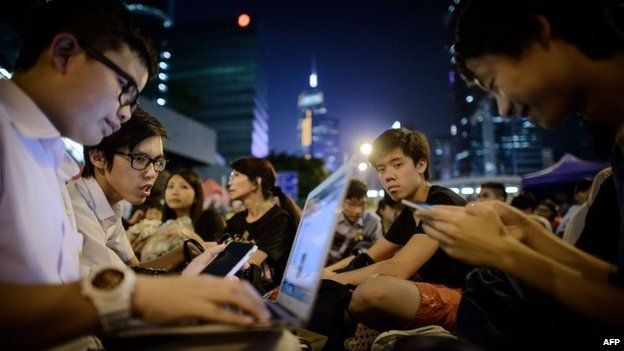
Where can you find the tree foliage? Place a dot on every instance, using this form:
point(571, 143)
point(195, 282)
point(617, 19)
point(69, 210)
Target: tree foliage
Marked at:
point(311, 172)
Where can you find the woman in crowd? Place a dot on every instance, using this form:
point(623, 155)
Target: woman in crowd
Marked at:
point(271, 226)
point(183, 216)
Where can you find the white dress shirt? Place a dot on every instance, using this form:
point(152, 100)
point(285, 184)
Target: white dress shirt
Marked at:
point(105, 239)
point(39, 242)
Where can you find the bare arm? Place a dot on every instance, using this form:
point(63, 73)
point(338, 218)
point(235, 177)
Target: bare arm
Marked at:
point(258, 257)
point(168, 261)
point(381, 250)
point(595, 299)
point(55, 313)
point(563, 252)
point(478, 236)
point(403, 264)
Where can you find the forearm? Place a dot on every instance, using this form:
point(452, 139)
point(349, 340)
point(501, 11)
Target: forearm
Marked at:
point(54, 313)
point(340, 264)
point(388, 267)
point(551, 246)
point(258, 257)
point(594, 299)
point(168, 262)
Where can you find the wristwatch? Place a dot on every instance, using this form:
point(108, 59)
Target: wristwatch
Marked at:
point(110, 289)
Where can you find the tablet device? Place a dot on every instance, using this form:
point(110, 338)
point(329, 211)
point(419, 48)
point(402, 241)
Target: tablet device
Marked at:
point(231, 259)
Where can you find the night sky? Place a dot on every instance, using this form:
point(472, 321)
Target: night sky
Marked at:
point(377, 62)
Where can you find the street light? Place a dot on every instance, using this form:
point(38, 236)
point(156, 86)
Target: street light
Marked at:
point(366, 149)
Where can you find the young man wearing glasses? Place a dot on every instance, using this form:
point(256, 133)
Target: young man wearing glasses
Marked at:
point(78, 75)
point(124, 166)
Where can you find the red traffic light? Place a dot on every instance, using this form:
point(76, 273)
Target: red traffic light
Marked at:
point(244, 20)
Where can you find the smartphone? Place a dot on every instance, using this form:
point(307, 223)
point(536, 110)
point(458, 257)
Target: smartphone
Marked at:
point(231, 259)
point(424, 205)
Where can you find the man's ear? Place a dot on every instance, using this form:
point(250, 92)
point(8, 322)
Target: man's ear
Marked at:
point(545, 32)
point(64, 46)
point(98, 160)
point(259, 182)
point(421, 166)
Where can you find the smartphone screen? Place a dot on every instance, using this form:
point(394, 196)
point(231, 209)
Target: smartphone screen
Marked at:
point(230, 260)
point(424, 205)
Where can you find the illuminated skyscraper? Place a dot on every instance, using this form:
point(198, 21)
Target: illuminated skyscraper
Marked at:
point(216, 77)
point(319, 134)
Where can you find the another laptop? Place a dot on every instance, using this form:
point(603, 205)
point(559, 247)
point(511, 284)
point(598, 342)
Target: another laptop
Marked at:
point(302, 275)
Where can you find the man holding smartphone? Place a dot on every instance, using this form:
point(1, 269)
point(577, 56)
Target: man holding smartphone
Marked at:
point(412, 283)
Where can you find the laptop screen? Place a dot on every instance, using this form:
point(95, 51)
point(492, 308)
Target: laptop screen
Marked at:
point(314, 236)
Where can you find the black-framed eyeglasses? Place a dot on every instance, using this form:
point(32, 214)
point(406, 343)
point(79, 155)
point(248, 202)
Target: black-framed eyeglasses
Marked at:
point(140, 162)
point(129, 95)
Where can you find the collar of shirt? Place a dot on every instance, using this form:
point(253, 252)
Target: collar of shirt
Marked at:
point(358, 223)
point(96, 200)
point(30, 121)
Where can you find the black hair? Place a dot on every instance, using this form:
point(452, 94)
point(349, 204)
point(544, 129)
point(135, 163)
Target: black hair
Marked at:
point(413, 143)
point(583, 184)
point(552, 207)
point(524, 201)
point(254, 167)
point(101, 24)
point(140, 127)
point(386, 201)
point(509, 27)
point(498, 188)
point(357, 189)
point(198, 200)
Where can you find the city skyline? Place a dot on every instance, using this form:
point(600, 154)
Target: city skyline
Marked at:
point(377, 62)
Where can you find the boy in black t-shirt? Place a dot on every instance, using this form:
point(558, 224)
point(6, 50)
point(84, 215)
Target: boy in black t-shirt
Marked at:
point(385, 298)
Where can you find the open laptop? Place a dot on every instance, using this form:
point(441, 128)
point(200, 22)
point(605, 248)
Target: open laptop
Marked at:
point(302, 275)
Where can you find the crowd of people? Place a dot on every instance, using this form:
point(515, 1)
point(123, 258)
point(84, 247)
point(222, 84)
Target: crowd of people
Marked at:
point(493, 274)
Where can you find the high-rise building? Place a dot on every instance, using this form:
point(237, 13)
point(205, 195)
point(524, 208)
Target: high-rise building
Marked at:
point(319, 134)
point(216, 78)
point(441, 158)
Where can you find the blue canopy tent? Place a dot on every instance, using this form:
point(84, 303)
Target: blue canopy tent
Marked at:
point(568, 169)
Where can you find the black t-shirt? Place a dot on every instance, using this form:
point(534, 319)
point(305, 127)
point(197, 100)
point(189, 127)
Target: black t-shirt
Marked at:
point(210, 225)
point(273, 233)
point(440, 268)
point(601, 233)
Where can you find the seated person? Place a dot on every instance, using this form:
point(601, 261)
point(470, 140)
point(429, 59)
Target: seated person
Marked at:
point(599, 234)
point(272, 227)
point(538, 60)
point(388, 210)
point(78, 74)
point(548, 209)
point(582, 188)
point(384, 297)
point(356, 228)
point(151, 211)
point(183, 218)
point(123, 166)
point(492, 191)
point(526, 203)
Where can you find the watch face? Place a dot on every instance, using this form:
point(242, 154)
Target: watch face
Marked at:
point(108, 279)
